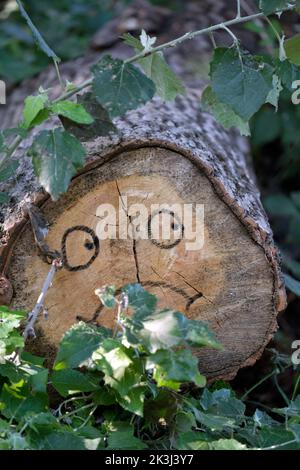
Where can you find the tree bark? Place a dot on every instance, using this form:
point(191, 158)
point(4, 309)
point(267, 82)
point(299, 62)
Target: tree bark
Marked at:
point(164, 153)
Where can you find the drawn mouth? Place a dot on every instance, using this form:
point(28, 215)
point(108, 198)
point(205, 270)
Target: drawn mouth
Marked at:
point(190, 300)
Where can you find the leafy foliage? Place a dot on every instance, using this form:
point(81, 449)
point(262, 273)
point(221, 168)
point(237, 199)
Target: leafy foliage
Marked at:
point(56, 156)
point(119, 86)
point(168, 85)
point(119, 396)
point(241, 81)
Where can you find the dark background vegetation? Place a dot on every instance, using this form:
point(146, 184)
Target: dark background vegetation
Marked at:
point(69, 25)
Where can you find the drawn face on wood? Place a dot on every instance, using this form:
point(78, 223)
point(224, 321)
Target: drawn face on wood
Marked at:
point(201, 283)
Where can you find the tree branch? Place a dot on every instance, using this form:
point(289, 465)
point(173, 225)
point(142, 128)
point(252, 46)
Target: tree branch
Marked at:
point(33, 315)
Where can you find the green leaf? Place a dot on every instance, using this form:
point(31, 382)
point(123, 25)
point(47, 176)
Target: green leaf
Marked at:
point(193, 441)
point(292, 284)
point(199, 334)
point(36, 34)
point(142, 302)
point(56, 157)
point(121, 371)
point(163, 330)
point(265, 126)
point(293, 410)
point(13, 131)
point(107, 296)
point(275, 6)
point(185, 421)
point(273, 96)
point(172, 368)
point(223, 403)
point(68, 382)
point(223, 113)
point(101, 126)
point(280, 205)
point(61, 440)
point(78, 345)
point(72, 111)
point(122, 438)
point(276, 436)
point(10, 338)
point(32, 107)
point(292, 265)
point(4, 198)
point(105, 396)
point(292, 49)
point(133, 401)
point(8, 169)
point(119, 87)
point(288, 73)
point(168, 85)
point(2, 142)
point(227, 444)
point(19, 400)
point(240, 80)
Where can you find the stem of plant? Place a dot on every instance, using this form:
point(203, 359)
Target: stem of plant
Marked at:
point(258, 384)
point(238, 7)
point(296, 388)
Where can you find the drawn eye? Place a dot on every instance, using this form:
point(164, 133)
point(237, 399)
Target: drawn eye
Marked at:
point(165, 229)
point(91, 243)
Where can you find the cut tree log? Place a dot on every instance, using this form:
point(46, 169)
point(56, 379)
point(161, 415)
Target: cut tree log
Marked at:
point(164, 153)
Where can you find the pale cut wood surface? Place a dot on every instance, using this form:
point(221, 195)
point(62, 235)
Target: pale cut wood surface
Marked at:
point(231, 271)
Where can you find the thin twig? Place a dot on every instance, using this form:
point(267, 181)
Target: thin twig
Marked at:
point(238, 7)
point(33, 315)
point(296, 388)
point(258, 384)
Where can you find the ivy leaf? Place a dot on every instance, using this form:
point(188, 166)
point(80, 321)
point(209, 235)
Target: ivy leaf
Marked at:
point(168, 85)
point(227, 444)
point(172, 368)
point(133, 401)
point(19, 400)
point(78, 345)
point(199, 334)
point(142, 302)
point(223, 113)
point(56, 157)
point(33, 106)
point(8, 169)
point(72, 111)
point(101, 126)
point(120, 371)
point(119, 87)
point(107, 296)
point(240, 80)
point(68, 382)
point(275, 6)
point(61, 440)
point(121, 438)
point(163, 330)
